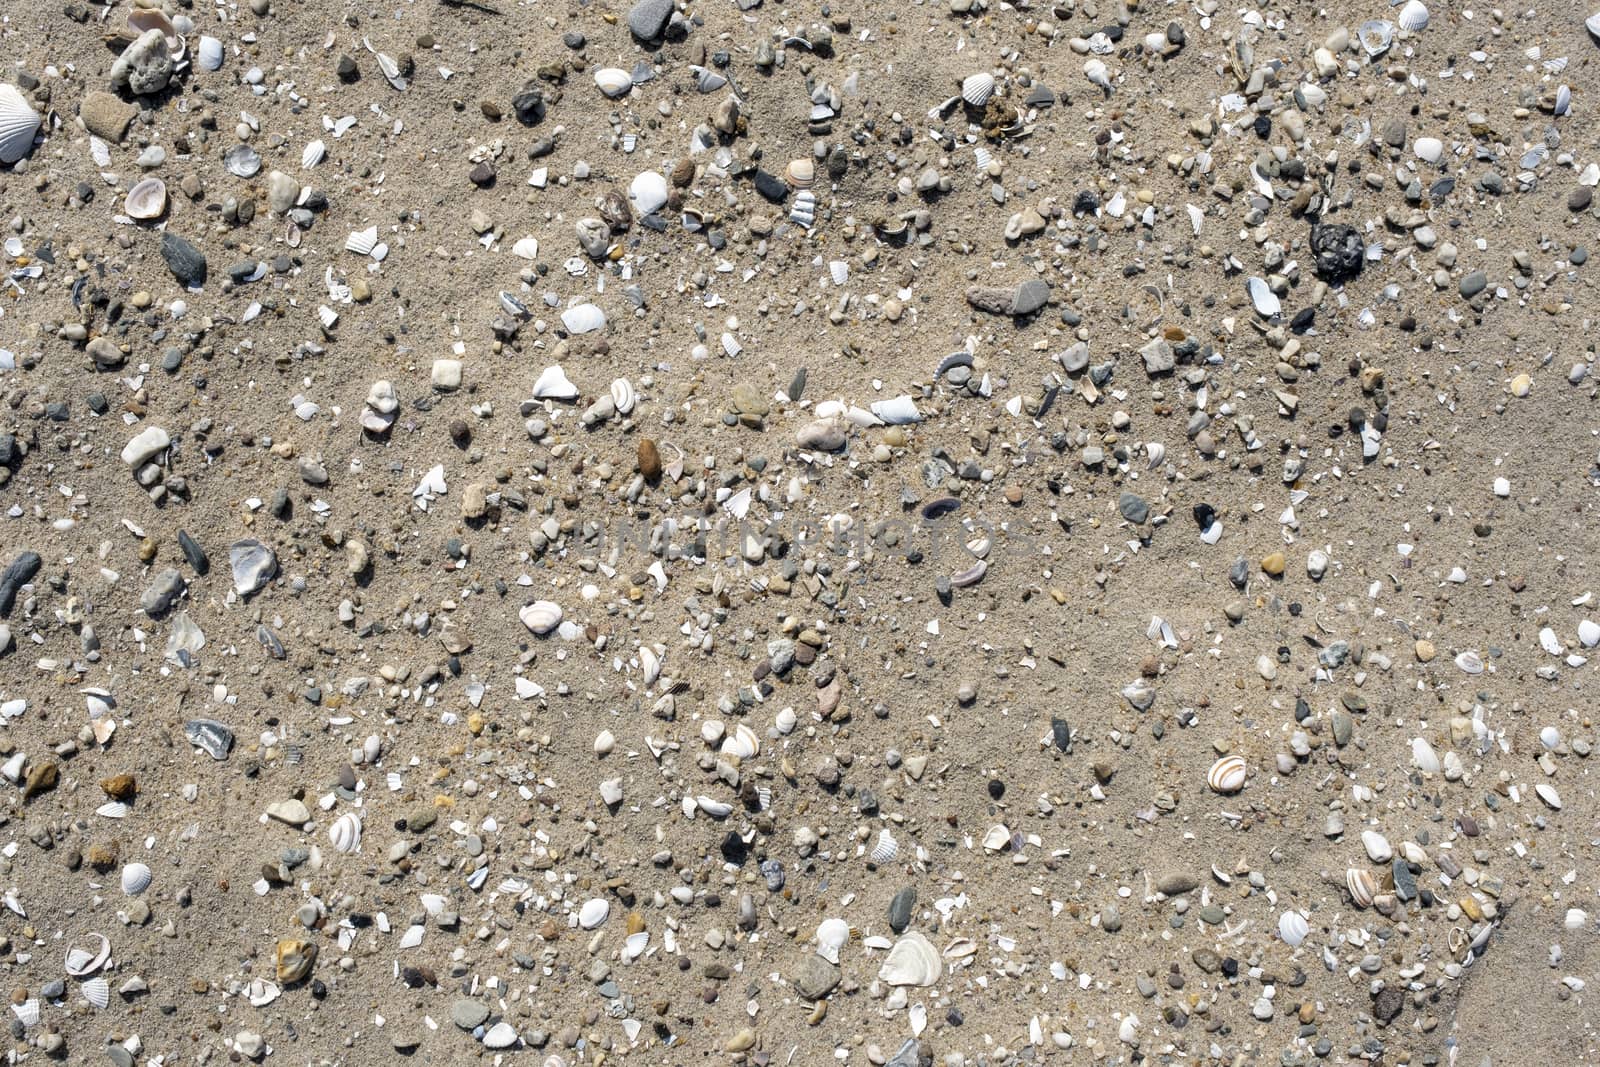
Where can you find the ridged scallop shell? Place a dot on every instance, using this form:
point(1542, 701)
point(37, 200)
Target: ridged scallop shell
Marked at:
point(82, 962)
point(541, 616)
point(613, 81)
point(18, 123)
point(345, 833)
point(362, 242)
point(583, 318)
point(27, 1012)
point(1293, 928)
point(135, 879)
point(912, 962)
point(886, 849)
point(976, 89)
point(312, 154)
point(209, 53)
point(1413, 16)
point(146, 200)
point(1226, 775)
point(831, 937)
point(800, 173)
point(1362, 886)
point(97, 992)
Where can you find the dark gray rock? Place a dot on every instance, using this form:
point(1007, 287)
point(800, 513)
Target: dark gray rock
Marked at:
point(186, 262)
point(648, 18)
point(18, 573)
point(1030, 296)
point(163, 593)
point(1134, 508)
point(900, 909)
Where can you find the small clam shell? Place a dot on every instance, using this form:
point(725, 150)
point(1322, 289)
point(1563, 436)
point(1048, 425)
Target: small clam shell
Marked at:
point(135, 879)
point(1593, 25)
point(1413, 16)
point(312, 154)
point(209, 53)
point(146, 200)
point(82, 962)
point(800, 173)
point(97, 992)
point(996, 838)
point(648, 192)
point(345, 833)
point(1362, 886)
point(742, 742)
point(831, 937)
point(912, 962)
point(623, 395)
point(613, 81)
point(898, 411)
point(1375, 36)
point(541, 616)
point(1226, 775)
point(583, 318)
point(593, 913)
point(976, 89)
point(886, 848)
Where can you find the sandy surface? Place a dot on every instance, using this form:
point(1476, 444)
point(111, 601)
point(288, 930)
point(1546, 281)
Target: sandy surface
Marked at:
point(825, 662)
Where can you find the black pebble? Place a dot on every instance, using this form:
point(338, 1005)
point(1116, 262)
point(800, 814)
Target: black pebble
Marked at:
point(997, 788)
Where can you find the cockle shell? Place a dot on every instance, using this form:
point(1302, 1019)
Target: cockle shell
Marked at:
point(613, 81)
point(897, 412)
point(593, 912)
point(742, 742)
point(18, 123)
point(1362, 886)
point(82, 962)
point(97, 992)
point(1226, 775)
point(1293, 928)
point(583, 318)
point(146, 200)
point(135, 879)
point(312, 154)
point(27, 1012)
point(345, 833)
point(1413, 16)
point(800, 173)
point(976, 89)
point(886, 848)
point(623, 396)
point(541, 616)
point(831, 937)
point(912, 962)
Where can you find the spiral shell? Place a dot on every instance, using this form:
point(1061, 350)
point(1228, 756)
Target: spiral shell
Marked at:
point(978, 88)
point(345, 833)
point(1362, 886)
point(1226, 775)
point(135, 879)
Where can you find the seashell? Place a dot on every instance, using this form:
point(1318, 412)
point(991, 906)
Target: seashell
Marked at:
point(623, 395)
point(1156, 452)
point(135, 879)
point(1265, 300)
point(1097, 72)
point(996, 838)
point(1226, 775)
point(613, 81)
point(743, 742)
point(648, 192)
point(553, 384)
point(261, 992)
point(293, 960)
point(1375, 36)
point(1593, 25)
point(82, 962)
point(390, 69)
point(804, 210)
point(717, 809)
point(146, 200)
point(362, 242)
point(312, 154)
point(1423, 756)
point(209, 53)
point(831, 937)
point(541, 616)
point(18, 123)
point(593, 912)
point(912, 962)
point(210, 735)
point(1548, 794)
point(886, 849)
point(97, 992)
point(961, 948)
point(1293, 928)
point(345, 833)
point(1563, 102)
point(1378, 848)
point(800, 173)
point(1428, 149)
point(633, 945)
point(242, 161)
point(143, 20)
point(253, 565)
point(583, 318)
point(976, 89)
point(897, 412)
point(27, 1012)
point(1413, 16)
point(1362, 886)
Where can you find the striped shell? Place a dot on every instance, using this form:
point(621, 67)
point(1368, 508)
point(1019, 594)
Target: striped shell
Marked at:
point(1226, 775)
point(345, 833)
point(800, 173)
point(135, 879)
point(613, 81)
point(1362, 886)
point(978, 88)
point(804, 210)
point(97, 992)
point(18, 123)
point(887, 847)
point(1413, 16)
point(1293, 928)
point(541, 616)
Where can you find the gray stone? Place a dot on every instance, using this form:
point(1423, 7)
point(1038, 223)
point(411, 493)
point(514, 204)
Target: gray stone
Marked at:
point(815, 977)
point(186, 262)
point(1134, 508)
point(163, 593)
point(1175, 882)
point(1158, 357)
point(900, 909)
point(648, 18)
point(1474, 283)
point(1030, 296)
point(145, 66)
point(469, 1014)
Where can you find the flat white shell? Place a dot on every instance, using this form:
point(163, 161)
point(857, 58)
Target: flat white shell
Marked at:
point(912, 962)
point(583, 318)
point(527, 248)
point(648, 192)
point(553, 384)
point(613, 81)
point(1265, 300)
point(146, 200)
point(312, 154)
point(97, 992)
point(362, 242)
point(135, 879)
point(886, 848)
point(1428, 149)
point(18, 123)
point(541, 616)
point(593, 913)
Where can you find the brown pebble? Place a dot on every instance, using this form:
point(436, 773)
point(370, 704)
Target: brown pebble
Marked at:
point(649, 460)
point(120, 787)
point(41, 778)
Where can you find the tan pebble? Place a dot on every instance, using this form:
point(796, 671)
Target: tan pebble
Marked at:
point(1273, 564)
point(743, 1041)
point(1424, 650)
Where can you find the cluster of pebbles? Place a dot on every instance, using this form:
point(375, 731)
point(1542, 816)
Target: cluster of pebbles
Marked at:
point(924, 534)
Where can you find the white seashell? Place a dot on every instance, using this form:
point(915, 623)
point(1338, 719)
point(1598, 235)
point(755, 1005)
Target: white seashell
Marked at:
point(135, 879)
point(839, 271)
point(648, 192)
point(1470, 662)
point(1293, 928)
point(1563, 100)
point(112, 809)
point(1362, 886)
point(1548, 794)
point(717, 809)
point(261, 992)
point(1226, 775)
point(583, 318)
point(553, 384)
point(1097, 73)
point(541, 616)
point(386, 64)
point(1413, 16)
point(886, 849)
point(978, 88)
point(1423, 755)
point(362, 242)
point(312, 154)
point(1375, 36)
point(613, 81)
point(912, 962)
point(527, 248)
point(1593, 25)
point(800, 173)
point(622, 395)
point(1428, 149)
point(633, 945)
point(82, 962)
point(804, 211)
point(1265, 300)
point(961, 948)
point(997, 837)
point(18, 123)
point(898, 411)
point(593, 912)
point(1378, 848)
point(345, 833)
point(97, 992)
point(1550, 738)
point(146, 200)
point(209, 53)
point(831, 937)
point(743, 743)
point(27, 1012)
